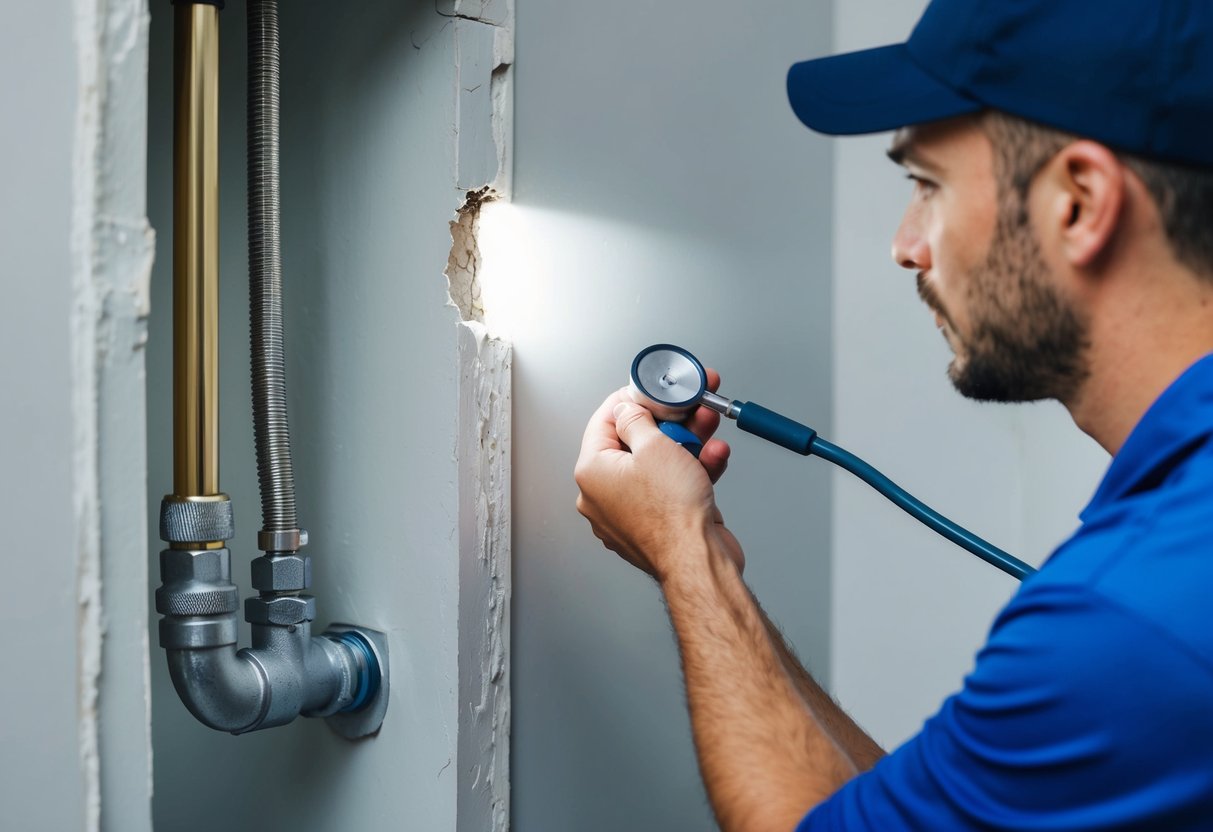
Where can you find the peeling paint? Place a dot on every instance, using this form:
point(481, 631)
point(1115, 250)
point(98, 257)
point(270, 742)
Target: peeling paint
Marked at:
point(484, 53)
point(485, 366)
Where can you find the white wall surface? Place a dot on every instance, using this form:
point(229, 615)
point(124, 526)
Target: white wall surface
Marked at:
point(664, 191)
point(910, 610)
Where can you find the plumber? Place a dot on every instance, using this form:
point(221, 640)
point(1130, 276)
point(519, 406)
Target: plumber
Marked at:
point(1061, 229)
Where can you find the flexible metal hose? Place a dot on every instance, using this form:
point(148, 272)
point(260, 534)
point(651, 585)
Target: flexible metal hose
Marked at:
point(272, 433)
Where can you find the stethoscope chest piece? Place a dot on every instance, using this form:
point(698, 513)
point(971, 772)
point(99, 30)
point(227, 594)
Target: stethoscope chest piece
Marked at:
point(668, 380)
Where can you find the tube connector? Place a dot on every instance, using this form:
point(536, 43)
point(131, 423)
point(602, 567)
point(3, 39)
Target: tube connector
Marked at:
point(197, 598)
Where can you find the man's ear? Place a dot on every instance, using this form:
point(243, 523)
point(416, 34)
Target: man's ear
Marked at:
point(1086, 198)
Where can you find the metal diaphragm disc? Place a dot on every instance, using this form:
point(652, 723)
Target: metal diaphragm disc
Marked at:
point(670, 378)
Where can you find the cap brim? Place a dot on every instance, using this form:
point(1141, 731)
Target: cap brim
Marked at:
point(869, 92)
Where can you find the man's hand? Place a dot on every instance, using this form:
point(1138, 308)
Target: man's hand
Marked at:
point(770, 742)
point(646, 498)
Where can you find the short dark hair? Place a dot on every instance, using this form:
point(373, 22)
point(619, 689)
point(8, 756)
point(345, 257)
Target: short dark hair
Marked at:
point(1183, 193)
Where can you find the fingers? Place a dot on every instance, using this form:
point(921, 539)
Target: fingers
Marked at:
point(703, 423)
point(713, 379)
point(635, 425)
point(715, 458)
point(600, 431)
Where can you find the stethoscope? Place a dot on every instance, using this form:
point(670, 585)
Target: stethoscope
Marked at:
point(671, 382)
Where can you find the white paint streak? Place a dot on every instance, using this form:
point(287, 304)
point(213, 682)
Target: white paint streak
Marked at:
point(484, 579)
point(112, 250)
point(85, 312)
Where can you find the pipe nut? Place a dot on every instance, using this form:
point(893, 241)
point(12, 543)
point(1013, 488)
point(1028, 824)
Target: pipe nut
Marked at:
point(211, 566)
point(290, 573)
point(196, 582)
point(284, 610)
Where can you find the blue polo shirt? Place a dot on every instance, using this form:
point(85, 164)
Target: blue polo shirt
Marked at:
point(1091, 704)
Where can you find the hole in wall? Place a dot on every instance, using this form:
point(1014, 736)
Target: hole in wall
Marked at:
point(463, 264)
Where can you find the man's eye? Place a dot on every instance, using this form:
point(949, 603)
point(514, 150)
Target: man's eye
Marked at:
point(922, 187)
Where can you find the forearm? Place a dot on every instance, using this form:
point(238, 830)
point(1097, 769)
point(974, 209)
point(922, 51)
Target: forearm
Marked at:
point(766, 758)
point(862, 750)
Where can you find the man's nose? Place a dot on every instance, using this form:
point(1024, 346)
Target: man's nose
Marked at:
point(910, 250)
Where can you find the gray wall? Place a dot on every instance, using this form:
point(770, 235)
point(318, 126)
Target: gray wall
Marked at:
point(663, 191)
point(368, 188)
point(39, 735)
point(909, 609)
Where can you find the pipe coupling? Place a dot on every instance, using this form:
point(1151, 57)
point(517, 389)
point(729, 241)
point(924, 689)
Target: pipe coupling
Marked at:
point(197, 598)
point(283, 610)
point(286, 573)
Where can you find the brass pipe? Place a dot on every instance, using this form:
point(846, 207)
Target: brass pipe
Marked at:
point(196, 252)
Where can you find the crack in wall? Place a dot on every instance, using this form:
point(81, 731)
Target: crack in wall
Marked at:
point(489, 12)
point(463, 264)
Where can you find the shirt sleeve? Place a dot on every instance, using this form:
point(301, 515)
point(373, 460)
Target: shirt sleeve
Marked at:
point(1060, 726)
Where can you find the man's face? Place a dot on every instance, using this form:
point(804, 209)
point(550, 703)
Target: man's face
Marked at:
point(1014, 335)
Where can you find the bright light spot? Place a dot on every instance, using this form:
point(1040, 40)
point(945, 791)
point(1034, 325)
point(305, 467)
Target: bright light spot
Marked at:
point(507, 271)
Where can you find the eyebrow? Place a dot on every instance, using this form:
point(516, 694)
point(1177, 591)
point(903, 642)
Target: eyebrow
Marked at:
point(903, 151)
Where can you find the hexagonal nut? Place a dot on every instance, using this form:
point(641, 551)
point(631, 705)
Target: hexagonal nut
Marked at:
point(283, 610)
point(205, 565)
point(291, 573)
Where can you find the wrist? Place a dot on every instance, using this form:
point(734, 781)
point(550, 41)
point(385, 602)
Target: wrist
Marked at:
point(701, 559)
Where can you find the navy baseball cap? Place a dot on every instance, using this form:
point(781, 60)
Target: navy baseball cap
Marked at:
point(1136, 75)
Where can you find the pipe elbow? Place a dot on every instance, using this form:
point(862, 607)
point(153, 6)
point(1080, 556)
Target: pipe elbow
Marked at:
point(224, 689)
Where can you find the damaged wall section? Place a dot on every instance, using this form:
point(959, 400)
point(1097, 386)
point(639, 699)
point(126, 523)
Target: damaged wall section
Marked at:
point(463, 265)
point(483, 136)
point(484, 43)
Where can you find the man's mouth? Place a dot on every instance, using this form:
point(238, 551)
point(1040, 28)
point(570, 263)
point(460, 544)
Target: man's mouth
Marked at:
point(927, 293)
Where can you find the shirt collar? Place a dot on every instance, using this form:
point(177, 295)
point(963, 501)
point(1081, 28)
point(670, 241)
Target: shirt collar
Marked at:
point(1179, 419)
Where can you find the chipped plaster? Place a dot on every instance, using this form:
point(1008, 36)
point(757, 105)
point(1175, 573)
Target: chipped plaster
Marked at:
point(483, 136)
point(112, 248)
point(484, 579)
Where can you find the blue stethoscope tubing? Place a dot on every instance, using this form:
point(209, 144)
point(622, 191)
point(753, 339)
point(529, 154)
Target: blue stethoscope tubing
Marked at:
point(920, 511)
point(788, 433)
point(794, 436)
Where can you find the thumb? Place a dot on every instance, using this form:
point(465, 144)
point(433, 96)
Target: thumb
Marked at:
point(634, 425)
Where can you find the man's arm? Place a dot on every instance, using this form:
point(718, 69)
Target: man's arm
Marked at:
point(766, 758)
point(853, 740)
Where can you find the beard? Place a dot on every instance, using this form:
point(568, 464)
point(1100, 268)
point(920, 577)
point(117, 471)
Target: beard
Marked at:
point(1027, 342)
